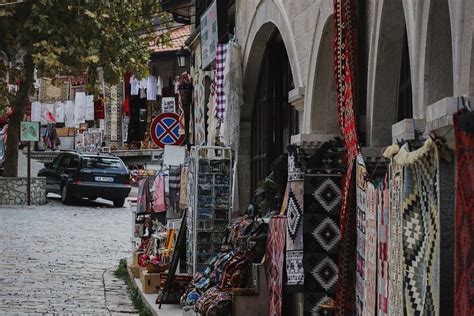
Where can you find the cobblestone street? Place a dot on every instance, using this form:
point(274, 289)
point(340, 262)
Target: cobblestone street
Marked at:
point(60, 259)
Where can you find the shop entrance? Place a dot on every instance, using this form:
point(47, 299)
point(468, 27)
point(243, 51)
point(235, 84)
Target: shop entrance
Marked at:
point(273, 119)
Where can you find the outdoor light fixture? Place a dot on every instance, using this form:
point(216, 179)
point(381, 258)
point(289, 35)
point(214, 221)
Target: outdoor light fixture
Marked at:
point(182, 54)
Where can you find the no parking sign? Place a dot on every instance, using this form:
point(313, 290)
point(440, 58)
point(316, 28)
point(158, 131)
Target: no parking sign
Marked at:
point(164, 130)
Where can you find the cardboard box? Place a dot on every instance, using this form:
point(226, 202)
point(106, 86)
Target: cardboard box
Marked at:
point(150, 282)
point(135, 256)
point(135, 269)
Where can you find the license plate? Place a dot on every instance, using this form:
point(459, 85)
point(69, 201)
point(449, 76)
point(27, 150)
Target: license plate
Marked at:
point(104, 179)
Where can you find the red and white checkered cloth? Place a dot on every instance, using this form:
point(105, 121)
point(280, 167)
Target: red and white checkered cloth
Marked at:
point(221, 101)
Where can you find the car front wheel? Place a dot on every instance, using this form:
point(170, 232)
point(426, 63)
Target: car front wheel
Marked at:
point(119, 202)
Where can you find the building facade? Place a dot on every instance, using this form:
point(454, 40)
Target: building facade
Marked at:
point(415, 60)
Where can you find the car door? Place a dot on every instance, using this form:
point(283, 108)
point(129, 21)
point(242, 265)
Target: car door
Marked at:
point(58, 173)
point(50, 172)
point(69, 167)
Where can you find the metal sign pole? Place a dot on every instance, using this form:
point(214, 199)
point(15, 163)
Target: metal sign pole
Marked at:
point(28, 185)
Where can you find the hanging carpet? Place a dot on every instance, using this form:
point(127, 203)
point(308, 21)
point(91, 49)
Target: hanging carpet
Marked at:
point(345, 56)
point(275, 263)
point(361, 189)
point(321, 234)
point(382, 246)
point(464, 228)
point(421, 230)
point(395, 250)
point(294, 220)
point(370, 250)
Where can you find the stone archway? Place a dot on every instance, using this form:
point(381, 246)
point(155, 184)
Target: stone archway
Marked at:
point(438, 76)
point(385, 57)
point(324, 117)
point(264, 25)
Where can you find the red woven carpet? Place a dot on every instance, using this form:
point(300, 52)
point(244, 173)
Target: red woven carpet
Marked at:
point(464, 228)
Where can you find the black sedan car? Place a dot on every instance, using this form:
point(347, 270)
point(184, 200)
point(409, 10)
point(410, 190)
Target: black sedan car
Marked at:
point(77, 175)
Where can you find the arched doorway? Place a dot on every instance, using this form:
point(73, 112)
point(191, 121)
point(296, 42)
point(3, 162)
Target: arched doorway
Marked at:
point(438, 77)
point(273, 119)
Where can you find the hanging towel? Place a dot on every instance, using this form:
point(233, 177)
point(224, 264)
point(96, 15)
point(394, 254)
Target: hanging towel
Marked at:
point(159, 204)
point(220, 96)
point(151, 88)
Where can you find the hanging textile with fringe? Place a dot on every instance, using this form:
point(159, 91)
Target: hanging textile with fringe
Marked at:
point(464, 227)
point(344, 72)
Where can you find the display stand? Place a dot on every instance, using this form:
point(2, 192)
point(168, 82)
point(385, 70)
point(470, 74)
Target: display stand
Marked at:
point(210, 209)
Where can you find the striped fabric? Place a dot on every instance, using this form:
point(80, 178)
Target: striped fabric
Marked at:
point(175, 183)
point(220, 96)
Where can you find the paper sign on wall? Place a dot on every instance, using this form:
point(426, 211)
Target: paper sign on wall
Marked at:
point(209, 35)
point(168, 105)
point(173, 155)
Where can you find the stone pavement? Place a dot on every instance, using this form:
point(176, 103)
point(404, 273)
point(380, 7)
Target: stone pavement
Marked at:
point(60, 259)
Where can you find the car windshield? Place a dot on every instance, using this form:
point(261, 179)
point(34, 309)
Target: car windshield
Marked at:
point(101, 163)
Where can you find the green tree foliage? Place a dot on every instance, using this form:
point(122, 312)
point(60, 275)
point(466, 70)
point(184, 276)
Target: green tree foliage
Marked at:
point(72, 37)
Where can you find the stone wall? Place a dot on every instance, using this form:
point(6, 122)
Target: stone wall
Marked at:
point(13, 191)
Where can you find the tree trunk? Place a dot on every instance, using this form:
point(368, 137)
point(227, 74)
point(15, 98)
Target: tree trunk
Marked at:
point(21, 99)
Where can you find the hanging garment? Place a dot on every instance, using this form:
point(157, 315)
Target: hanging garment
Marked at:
point(199, 115)
point(159, 203)
point(126, 89)
point(134, 85)
point(464, 227)
point(99, 113)
point(294, 223)
point(159, 86)
point(274, 263)
point(233, 91)
point(79, 107)
point(184, 102)
point(89, 111)
point(211, 120)
point(143, 85)
point(143, 196)
point(183, 192)
point(321, 233)
point(174, 183)
point(220, 96)
point(151, 88)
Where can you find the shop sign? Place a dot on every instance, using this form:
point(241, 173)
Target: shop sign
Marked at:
point(209, 35)
point(164, 130)
point(29, 131)
point(168, 105)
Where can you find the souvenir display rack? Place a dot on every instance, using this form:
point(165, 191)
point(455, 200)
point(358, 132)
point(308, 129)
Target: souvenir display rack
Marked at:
point(210, 173)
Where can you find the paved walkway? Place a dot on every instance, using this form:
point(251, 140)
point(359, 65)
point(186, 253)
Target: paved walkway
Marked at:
point(60, 259)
